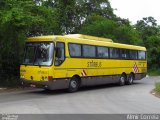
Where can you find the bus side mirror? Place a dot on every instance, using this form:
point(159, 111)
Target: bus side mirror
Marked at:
point(58, 53)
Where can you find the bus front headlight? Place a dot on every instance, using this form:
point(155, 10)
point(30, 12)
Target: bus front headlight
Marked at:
point(22, 76)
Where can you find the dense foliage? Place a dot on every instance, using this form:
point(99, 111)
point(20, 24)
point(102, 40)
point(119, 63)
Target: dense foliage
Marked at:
point(119, 30)
point(18, 20)
point(22, 18)
point(150, 35)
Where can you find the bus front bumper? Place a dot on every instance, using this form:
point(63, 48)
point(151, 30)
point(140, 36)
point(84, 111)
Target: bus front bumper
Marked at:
point(51, 85)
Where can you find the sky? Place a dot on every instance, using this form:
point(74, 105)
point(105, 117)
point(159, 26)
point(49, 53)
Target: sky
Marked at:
point(136, 9)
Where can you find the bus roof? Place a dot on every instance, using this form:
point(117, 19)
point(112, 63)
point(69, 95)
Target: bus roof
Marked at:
point(51, 37)
point(85, 39)
point(88, 37)
point(42, 38)
point(109, 44)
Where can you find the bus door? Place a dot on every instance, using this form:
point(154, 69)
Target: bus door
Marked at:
point(60, 65)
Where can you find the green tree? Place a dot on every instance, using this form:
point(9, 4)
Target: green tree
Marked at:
point(149, 33)
point(72, 13)
point(18, 20)
point(120, 31)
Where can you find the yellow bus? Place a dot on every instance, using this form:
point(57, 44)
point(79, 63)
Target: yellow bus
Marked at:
point(72, 61)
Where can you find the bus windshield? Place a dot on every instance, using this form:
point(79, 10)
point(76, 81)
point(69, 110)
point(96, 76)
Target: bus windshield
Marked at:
point(38, 53)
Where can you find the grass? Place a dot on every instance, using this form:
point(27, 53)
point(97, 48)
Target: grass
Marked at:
point(157, 87)
point(156, 90)
point(154, 72)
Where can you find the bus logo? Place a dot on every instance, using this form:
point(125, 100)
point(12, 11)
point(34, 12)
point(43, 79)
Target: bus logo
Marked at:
point(83, 73)
point(135, 68)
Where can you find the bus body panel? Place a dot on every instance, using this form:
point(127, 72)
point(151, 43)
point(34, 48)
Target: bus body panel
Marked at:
point(35, 73)
point(103, 67)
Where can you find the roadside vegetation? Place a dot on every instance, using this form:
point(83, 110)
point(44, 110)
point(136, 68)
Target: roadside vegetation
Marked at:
point(157, 89)
point(154, 72)
point(20, 19)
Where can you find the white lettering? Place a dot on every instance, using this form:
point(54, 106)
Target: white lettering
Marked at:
point(132, 117)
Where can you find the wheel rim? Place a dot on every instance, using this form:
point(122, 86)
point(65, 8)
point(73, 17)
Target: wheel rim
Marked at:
point(122, 79)
point(131, 79)
point(73, 84)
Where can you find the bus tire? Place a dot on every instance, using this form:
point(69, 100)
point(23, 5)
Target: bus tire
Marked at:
point(122, 80)
point(130, 79)
point(73, 85)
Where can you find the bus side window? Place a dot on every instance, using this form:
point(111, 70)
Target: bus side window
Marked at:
point(124, 53)
point(75, 50)
point(89, 51)
point(141, 55)
point(133, 54)
point(60, 53)
point(114, 53)
point(102, 52)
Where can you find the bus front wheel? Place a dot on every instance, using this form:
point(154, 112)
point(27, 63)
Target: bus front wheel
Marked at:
point(73, 85)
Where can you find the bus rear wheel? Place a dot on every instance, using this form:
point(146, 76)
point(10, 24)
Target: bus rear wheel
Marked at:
point(130, 79)
point(73, 85)
point(122, 80)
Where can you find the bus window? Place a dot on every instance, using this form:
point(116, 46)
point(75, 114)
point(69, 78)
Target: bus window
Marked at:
point(89, 51)
point(133, 54)
point(141, 55)
point(102, 52)
point(44, 54)
point(114, 53)
point(124, 53)
point(39, 53)
point(74, 50)
point(60, 53)
point(30, 53)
